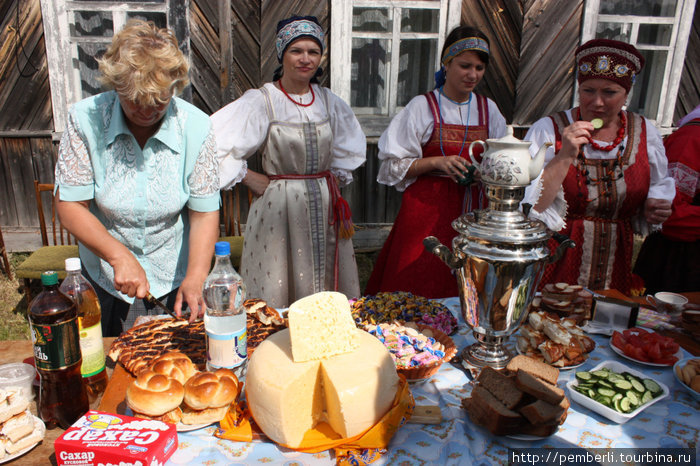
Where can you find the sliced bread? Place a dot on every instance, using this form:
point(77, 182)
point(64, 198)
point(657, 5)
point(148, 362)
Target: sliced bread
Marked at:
point(485, 410)
point(501, 386)
point(540, 412)
point(539, 369)
point(538, 388)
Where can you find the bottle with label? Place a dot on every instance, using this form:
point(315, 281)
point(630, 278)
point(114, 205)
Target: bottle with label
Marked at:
point(90, 325)
point(225, 317)
point(53, 319)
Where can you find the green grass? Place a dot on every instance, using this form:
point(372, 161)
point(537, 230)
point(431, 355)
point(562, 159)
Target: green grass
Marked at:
point(13, 304)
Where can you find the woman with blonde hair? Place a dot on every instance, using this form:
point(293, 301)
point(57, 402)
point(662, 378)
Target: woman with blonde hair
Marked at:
point(137, 180)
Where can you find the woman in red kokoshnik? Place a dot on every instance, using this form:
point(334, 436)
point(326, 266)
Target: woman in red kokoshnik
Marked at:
point(297, 239)
point(424, 153)
point(606, 175)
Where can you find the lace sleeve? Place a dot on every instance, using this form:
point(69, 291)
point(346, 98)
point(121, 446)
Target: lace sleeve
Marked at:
point(73, 167)
point(204, 179)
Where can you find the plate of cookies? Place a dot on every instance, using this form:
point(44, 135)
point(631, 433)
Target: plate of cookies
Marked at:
point(171, 389)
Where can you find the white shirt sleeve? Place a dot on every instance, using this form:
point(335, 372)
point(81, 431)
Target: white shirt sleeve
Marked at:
point(349, 142)
point(661, 184)
point(240, 129)
point(554, 216)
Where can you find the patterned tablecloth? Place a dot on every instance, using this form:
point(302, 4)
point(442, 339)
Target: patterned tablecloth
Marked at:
point(671, 423)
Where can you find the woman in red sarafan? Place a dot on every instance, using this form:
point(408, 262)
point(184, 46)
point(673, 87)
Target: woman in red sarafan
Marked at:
point(670, 260)
point(424, 153)
point(606, 175)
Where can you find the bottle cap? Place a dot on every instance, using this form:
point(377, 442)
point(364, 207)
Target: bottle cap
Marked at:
point(49, 278)
point(73, 264)
point(222, 248)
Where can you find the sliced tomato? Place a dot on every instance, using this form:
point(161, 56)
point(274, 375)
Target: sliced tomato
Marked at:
point(669, 361)
point(618, 340)
point(640, 354)
point(654, 351)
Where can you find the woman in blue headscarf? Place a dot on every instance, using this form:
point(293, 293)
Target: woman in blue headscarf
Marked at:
point(424, 154)
point(297, 238)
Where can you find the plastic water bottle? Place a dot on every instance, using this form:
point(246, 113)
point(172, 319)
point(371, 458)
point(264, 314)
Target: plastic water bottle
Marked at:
point(225, 317)
point(90, 324)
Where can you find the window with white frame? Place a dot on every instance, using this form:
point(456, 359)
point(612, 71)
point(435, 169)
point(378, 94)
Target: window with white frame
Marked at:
point(659, 29)
point(386, 52)
point(78, 32)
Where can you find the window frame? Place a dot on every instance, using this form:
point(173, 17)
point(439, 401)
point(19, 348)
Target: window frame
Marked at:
point(675, 58)
point(341, 49)
point(61, 46)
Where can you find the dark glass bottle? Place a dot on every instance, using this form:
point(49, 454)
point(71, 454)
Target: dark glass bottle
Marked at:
point(53, 317)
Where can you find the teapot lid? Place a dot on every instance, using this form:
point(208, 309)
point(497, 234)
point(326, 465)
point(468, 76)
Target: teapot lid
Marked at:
point(508, 139)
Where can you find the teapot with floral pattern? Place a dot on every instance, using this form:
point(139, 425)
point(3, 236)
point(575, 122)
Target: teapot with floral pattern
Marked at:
point(507, 161)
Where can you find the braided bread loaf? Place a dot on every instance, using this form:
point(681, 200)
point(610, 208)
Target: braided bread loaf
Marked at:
point(211, 389)
point(154, 394)
point(174, 365)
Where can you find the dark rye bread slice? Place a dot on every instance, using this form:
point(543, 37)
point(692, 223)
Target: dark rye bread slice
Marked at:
point(501, 386)
point(539, 369)
point(485, 410)
point(541, 412)
point(538, 388)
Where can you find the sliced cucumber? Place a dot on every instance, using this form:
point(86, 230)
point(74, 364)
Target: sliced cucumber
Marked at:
point(606, 392)
point(632, 396)
point(623, 385)
point(647, 397)
point(625, 405)
point(601, 374)
point(584, 376)
point(653, 387)
point(637, 385)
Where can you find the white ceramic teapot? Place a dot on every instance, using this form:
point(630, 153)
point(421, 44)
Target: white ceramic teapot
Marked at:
point(507, 161)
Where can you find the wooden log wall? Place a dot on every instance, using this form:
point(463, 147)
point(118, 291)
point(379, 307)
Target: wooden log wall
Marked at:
point(232, 50)
point(26, 119)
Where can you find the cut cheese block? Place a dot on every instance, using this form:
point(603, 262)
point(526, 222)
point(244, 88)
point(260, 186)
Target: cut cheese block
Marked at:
point(349, 391)
point(321, 325)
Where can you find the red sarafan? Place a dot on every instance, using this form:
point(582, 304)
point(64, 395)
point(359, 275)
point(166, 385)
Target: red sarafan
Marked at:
point(646, 346)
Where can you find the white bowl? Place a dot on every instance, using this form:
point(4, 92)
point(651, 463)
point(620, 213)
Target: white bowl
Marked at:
point(615, 416)
point(683, 362)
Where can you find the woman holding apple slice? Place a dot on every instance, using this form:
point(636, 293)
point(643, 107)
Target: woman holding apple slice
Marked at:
point(605, 176)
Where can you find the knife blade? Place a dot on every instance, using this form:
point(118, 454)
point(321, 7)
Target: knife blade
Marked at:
point(153, 300)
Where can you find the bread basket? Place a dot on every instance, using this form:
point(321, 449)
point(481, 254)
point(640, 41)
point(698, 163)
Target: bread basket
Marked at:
point(424, 372)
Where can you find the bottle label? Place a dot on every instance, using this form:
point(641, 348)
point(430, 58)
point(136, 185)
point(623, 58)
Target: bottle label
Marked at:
point(227, 350)
point(92, 350)
point(56, 346)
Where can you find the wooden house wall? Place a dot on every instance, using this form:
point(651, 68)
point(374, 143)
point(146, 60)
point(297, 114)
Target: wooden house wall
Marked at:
point(26, 118)
point(232, 50)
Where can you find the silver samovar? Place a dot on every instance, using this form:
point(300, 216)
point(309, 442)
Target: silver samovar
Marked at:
point(499, 255)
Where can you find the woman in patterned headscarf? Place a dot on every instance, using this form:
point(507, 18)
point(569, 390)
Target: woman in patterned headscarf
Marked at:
point(605, 174)
point(424, 154)
point(297, 238)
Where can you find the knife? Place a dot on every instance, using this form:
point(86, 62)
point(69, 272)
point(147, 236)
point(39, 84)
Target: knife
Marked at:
point(153, 300)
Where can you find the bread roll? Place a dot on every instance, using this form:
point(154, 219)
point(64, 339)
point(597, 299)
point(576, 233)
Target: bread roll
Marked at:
point(174, 365)
point(172, 417)
point(18, 426)
point(154, 394)
point(211, 389)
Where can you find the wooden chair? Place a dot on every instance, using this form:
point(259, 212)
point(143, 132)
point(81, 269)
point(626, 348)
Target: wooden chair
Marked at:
point(48, 257)
point(5, 260)
point(231, 220)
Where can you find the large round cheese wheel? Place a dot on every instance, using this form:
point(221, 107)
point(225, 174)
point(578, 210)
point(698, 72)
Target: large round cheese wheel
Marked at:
point(349, 391)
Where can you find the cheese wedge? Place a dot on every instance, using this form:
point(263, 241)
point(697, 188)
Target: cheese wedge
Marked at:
point(321, 325)
point(349, 391)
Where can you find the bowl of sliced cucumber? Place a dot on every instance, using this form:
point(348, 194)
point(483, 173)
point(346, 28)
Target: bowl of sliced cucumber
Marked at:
point(615, 391)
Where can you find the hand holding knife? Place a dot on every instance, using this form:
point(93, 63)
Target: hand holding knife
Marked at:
point(153, 300)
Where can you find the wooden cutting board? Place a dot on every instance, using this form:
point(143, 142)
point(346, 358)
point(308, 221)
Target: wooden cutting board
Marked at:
point(113, 397)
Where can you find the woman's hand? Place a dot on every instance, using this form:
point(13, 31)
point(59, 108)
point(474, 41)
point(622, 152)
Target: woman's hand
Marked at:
point(657, 210)
point(129, 276)
point(190, 292)
point(256, 182)
point(573, 137)
point(452, 165)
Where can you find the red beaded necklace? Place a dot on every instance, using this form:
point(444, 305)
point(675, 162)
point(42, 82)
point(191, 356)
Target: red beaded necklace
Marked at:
point(313, 96)
point(618, 139)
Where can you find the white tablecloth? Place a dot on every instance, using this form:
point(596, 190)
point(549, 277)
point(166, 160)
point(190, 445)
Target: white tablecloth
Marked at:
point(673, 422)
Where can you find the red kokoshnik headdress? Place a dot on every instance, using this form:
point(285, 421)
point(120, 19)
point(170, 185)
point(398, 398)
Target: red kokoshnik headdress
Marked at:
point(613, 60)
